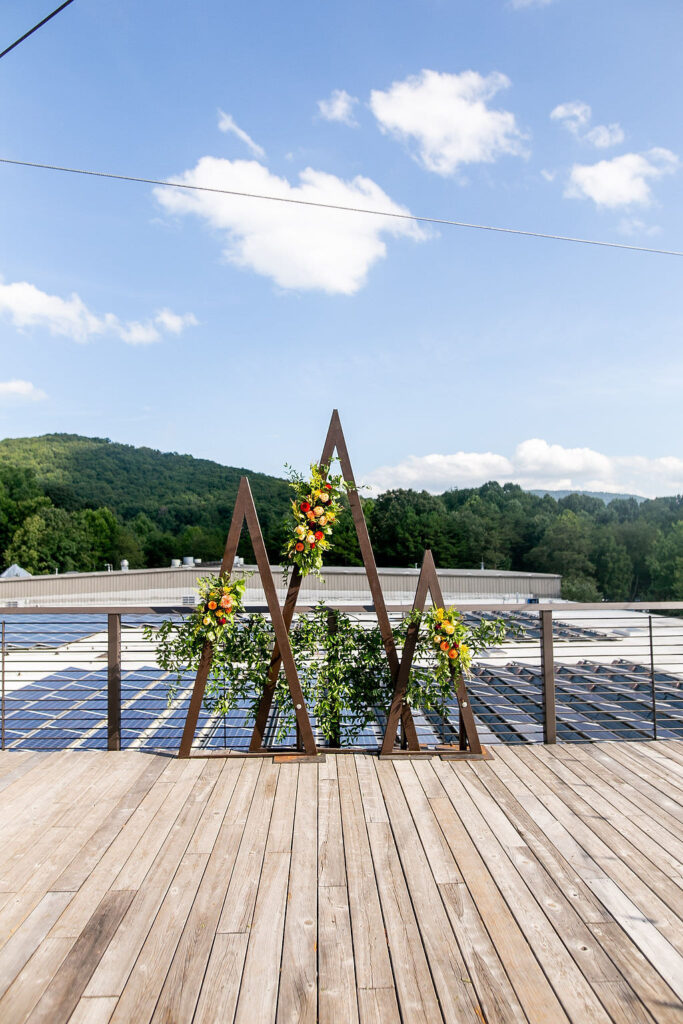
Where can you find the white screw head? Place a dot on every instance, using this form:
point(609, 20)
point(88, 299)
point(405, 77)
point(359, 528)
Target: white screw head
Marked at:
point(464, 703)
point(298, 707)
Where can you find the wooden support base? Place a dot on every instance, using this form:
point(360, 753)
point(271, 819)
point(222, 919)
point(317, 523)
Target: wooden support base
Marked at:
point(278, 756)
point(453, 753)
point(411, 755)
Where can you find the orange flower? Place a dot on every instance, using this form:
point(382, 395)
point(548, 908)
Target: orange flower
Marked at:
point(226, 601)
point(212, 605)
point(444, 645)
point(453, 653)
point(299, 546)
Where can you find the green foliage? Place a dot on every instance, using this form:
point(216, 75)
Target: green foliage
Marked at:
point(342, 665)
point(666, 565)
point(52, 538)
point(580, 588)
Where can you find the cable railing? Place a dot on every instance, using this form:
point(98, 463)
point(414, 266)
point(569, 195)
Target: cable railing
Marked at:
point(83, 678)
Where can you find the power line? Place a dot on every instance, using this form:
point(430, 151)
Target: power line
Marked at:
point(35, 28)
point(345, 209)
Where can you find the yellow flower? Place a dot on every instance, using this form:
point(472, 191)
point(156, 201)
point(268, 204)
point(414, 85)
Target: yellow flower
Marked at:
point(322, 520)
point(324, 497)
point(317, 511)
point(310, 538)
point(206, 620)
point(464, 651)
point(300, 531)
point(330, 517)
point(439, 613)
point(449, 628)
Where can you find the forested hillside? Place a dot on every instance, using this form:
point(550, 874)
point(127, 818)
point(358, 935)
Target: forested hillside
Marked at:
point(72, 502)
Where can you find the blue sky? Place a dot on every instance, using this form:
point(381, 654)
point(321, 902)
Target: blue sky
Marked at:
point(229, 328)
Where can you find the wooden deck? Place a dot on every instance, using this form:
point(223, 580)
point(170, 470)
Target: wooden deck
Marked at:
point(542, 886)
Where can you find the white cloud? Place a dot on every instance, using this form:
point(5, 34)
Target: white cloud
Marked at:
point(227, 124)
point(23, 390)
point(339, 107)
point(622, 180)
point(447, 117)
point(605, 135)
point(536, 465)
point(576, 115)
point(520, 4)
point(28, 306)
point(633, 227)
point(548, 175)
point(175, 323)
point(298, 247)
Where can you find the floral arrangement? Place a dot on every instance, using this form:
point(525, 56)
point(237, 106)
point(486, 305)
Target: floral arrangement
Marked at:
point(448, 634)
point(446, 647)
point(220, 598)
point(316, 505)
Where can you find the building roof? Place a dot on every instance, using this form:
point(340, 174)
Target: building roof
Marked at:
point(14, 572)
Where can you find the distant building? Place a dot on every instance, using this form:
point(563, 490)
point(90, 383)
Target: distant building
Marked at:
point(14, 572)
point(342, 585)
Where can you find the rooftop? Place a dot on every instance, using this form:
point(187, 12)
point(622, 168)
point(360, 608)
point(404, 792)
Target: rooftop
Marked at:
point(540, 886)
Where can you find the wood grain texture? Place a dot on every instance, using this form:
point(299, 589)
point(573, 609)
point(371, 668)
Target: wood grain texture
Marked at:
point(541, 887)
point(298, 995)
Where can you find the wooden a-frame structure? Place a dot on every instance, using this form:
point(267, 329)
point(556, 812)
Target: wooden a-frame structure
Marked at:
point(246, 510)
point(470, 746)
point(335, 441)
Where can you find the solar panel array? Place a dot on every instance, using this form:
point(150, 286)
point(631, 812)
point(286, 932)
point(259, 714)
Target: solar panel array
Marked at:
point(56, 690)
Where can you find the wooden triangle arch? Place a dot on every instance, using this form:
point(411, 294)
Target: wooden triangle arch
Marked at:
point(246, 510)
point(335, 441)
point(428, 582)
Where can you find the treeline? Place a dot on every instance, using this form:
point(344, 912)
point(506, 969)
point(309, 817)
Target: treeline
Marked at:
point(75, 503)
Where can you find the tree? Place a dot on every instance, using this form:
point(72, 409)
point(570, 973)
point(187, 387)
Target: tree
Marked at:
point(613, 566)
point(403, 524)
point(565, 547)
point(48, 539)
point(666, 565)
point(580, 588)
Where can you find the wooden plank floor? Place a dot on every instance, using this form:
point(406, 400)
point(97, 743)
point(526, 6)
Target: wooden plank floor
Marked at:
point(542, 886)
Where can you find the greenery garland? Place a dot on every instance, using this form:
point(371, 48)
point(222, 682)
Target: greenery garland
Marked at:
point(342, 665)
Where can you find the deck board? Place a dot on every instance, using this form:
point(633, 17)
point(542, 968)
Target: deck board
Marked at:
point(539, 887)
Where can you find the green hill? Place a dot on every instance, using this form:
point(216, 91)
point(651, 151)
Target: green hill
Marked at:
point(167, 505)
point(90, 472)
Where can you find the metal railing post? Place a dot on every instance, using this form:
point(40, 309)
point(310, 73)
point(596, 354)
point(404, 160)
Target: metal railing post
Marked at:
point(113, 682)
point(2, 727)
point(548, 674)
point(652, 681)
